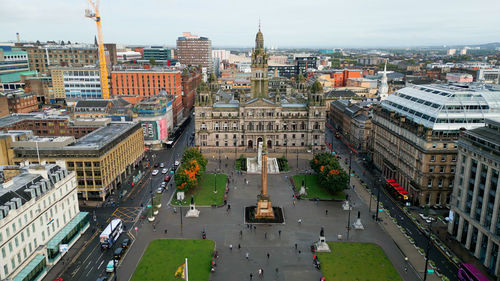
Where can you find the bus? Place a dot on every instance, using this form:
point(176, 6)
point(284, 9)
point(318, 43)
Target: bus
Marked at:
point(396, 190)
point(468, 272)
point(111, 233)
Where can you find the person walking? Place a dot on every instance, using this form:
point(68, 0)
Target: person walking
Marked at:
point(239, 246)
point(251, 276)
point(268, 255)
point(231, 247)
point(279, 233)
point(241, 233)
point(326, 212)
point(295, 246)
point(246, 255)
point(265, 235)
point(166, 231)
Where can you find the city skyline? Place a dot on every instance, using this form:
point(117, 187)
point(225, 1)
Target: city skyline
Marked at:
point(326, 24)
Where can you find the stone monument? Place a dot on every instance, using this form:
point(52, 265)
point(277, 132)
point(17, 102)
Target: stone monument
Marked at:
point(346, 206)
point(302, 190)
point(254, 164)
point(358, 224)
point(321, 245)
point(264, 208)
point(193, 212)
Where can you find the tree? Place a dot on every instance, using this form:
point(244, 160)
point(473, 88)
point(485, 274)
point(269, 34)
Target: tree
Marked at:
point(152, 61)
point(195, 154)
point(316, 87)
point(188, 176)
point(330, 173)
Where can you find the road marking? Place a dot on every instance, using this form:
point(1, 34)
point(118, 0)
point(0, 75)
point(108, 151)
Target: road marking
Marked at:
point(89, 271)
point(100, 264)
point(100, 256)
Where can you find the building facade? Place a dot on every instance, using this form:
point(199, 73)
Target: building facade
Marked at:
point(193, 50)
point(191, 79)
point(13, 61)
point(101, 159)
point(245, 118)
point(38, 213)
point(415, 133)
point(74, 83)
point(21, 102)
point(135, 85)
point(42, 57)
point(155, 115)
point(158, 54)
point(475, 201)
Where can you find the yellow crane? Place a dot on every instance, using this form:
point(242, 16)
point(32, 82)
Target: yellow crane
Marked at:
point(95, 15)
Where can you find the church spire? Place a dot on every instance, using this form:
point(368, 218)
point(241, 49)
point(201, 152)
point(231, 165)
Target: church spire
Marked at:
point(383, 91)
point(259, 39)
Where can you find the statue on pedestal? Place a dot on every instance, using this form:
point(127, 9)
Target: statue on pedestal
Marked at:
point(321, 245)
point(358, 224)
point(193, 212)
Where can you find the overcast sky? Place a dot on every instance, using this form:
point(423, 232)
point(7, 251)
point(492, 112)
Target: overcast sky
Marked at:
point(285, 23)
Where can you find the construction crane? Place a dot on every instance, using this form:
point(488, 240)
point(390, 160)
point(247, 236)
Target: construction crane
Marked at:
point(95, 15)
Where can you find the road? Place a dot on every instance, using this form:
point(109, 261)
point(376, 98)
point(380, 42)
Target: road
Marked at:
point(91, 262)
point(443, 263)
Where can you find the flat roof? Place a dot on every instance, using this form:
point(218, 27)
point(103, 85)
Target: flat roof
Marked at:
point(15, 118)
point(102, 136)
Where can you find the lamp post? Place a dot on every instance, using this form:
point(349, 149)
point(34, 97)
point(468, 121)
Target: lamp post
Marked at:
point(350, 173)
point(219, 159)
point(348, 220)
point(151, 193)
point(297, 151)
point(215, 182)
point(428, 249)
point(378, 201)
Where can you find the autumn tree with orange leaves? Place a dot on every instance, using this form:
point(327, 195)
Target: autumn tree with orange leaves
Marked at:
point(189, 173)
point(331, 175)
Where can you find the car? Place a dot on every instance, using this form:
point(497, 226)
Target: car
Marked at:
point(162, 165)
point(102, 278)
point(166, 179)
point(163, 184)
point(110, 267)
point(156, 165)
point(118, 253)
point(159, 190)
point(125, 243)
point(154, 173)
point(164, 171)
point(176, 163)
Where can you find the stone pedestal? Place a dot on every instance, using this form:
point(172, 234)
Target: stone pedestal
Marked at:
point(321, 245)
point(193, 212)
point(302, 190)
point(358, 224)
point(264, 209)
point(346, 206)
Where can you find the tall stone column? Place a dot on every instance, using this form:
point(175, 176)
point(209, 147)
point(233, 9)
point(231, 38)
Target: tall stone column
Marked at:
point(264, 173)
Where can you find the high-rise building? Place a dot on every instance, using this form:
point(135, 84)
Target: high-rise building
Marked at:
point(195, 51)
point(136, 84)
point(41, 57)
point(13, 61)
point(475, 201)
point(74, 83)
point(38, 213)
point(415, 131)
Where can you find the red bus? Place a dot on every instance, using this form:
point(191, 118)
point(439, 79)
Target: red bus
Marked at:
point(396, 190)
point(468, 272)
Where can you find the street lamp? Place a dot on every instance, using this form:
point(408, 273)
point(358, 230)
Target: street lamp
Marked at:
point(378, 200)
point(428, 249)
point(348, 220)
point(215, 182)
point(297, 159)
point(350, 173)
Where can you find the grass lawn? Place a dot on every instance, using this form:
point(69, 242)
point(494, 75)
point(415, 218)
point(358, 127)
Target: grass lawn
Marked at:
point(314, 190)
point(204, 193)
point(356, 261)
point(162, 258)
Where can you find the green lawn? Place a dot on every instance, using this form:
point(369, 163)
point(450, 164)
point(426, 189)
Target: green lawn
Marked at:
point(314, 190)
point(356, 261)
point(204, 193)
point(164, 256)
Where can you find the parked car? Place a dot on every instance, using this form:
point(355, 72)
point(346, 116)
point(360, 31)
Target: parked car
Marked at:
point(162, 165)
point(164, 171)
point(159, 190)
point(154, 173)
point(156, 165)
point(110, 267)
point(166, 179)
point(176, 163)
point(125, 243)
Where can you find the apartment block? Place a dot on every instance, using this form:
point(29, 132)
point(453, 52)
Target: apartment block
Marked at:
point(193, 50)
point(75, 83)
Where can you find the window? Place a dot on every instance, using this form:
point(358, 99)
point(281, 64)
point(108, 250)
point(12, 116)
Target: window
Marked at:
point(440, 183)
point(443, 158)
point(445, 145)
point(433, 145)
point(429, 183)
point(431, 169)
point(454, 158)
point(441, 169)
point(433, 158)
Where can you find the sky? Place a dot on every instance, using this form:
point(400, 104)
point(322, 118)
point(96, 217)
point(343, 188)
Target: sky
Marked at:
point(233, 23)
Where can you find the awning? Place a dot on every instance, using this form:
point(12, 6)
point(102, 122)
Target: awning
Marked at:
point(56, 240)
point(29, 268)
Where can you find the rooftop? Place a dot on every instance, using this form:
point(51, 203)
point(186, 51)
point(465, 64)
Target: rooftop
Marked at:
point(15, 118)
point(92, 103)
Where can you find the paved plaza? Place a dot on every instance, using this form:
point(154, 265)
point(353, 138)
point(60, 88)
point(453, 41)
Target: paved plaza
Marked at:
point(285, 262)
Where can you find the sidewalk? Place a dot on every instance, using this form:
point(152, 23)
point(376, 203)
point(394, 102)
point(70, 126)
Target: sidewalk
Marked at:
point(415, 259)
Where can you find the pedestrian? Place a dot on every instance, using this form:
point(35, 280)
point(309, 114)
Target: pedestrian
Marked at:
point(294, 202)
point(154, 227)
point(326, 212)
point(231, 247)
point(295, 246)
point(300, 252)
point(241, 233)
point(265, 235)
point(277, 270)
point(166, 231)
point(300, 221)
point(255, 227)
point(228, 207)
point(279, 233)
point(246, 255)
point(406, 269)
point(267, 255)
point(251, 276)
point(239, 246)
